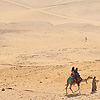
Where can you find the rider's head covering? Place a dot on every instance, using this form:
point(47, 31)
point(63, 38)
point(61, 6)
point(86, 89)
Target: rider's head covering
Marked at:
point(73, 68)
point(76, 70)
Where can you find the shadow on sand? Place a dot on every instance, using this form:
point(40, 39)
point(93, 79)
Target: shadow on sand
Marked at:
point(75, 95)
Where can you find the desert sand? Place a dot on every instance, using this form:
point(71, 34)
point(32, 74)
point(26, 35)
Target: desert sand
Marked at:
point(41, 40)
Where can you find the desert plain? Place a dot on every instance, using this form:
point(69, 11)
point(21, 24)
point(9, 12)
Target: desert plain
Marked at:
point(41, 40)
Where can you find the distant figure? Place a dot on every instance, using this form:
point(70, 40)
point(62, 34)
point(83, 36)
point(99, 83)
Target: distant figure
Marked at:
point(94, 87)
point(85, 38)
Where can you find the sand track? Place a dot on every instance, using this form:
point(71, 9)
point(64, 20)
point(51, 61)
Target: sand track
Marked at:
point(43, 10)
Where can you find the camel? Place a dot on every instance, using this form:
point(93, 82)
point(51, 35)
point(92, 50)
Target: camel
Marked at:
point(73, 82)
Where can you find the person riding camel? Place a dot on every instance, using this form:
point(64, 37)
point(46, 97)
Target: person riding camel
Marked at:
point(74, 74)
point(73, 71)
point(77, 75)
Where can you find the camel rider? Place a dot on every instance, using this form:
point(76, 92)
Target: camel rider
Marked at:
point(73, 71)
point(72, 74)
point(77, 74)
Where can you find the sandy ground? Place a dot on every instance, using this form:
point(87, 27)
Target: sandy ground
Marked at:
point(41, 40)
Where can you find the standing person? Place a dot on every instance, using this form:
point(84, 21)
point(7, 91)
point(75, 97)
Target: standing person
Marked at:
point(85, 38)
point(94, 87)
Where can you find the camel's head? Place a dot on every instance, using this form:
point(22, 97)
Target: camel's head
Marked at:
point(89, 77)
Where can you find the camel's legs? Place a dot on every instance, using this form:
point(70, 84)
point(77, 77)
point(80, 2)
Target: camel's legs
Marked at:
point(79, 89)
point(67, 87)
point(71, 88)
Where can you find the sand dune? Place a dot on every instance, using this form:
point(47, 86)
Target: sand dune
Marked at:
point(63, 13)
point(40, 41)
point(45, 3)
